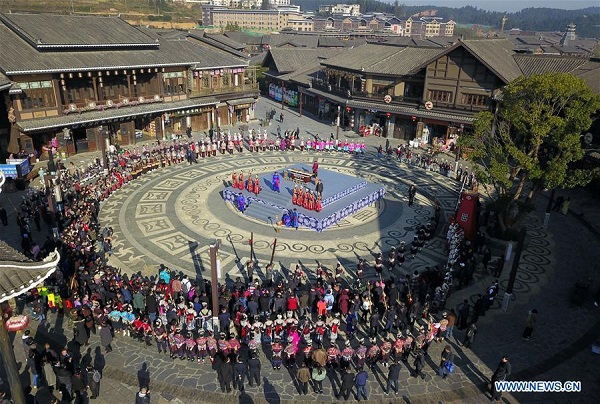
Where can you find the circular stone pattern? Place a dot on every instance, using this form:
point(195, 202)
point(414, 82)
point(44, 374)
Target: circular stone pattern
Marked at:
point(172, 215)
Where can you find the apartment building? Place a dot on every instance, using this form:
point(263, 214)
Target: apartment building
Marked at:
point(260, 20)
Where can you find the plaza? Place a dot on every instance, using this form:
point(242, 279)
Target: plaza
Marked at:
point(170, 216)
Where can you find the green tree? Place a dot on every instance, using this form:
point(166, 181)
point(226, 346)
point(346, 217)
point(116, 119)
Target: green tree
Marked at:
point(533, 141)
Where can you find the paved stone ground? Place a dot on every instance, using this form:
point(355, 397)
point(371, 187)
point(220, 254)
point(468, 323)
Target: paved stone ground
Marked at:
point(553, 258)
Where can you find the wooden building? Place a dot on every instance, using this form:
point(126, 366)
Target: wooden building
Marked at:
point(86, 79)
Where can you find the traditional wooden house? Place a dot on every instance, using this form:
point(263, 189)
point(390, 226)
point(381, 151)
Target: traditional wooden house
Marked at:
point(86, 79)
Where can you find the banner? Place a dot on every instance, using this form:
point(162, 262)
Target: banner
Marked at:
point(467, 213)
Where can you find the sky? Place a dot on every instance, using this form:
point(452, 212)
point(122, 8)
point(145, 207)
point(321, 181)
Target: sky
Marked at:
point(505, 5)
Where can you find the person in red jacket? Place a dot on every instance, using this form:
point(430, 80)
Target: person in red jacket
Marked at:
point(292, 304)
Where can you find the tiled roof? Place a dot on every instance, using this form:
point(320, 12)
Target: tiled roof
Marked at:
point(382, 59)
point(244, 38)
point(539, 64)
point(34, 125)
point(226, 41)
point(56, 30)
point(291, 59)
point(18, 274)
point(415, 42)
point(590, 72)
point(497, 55)
point(4, 81)
point(330, 42)
point(18, 57)
point(304, 41)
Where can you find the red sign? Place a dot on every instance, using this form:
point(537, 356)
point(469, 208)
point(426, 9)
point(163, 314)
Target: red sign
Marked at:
point(467, 214)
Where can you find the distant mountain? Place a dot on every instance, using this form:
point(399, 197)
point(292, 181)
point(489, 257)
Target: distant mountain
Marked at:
point(587, 20)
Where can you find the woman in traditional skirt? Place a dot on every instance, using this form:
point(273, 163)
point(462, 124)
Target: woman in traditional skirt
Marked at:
point(302, 144)
point(240, 181)
point(311, 201)
point(234, 183)
point(256, 185)
point(322, 145)
point(251, 145)
point(318, 204)
point(250, 184)
point(295, 195)
point(201, 346)
point(203, 151)
point(211, 346)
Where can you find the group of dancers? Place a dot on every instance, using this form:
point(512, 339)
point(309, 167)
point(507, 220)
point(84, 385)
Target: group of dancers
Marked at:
point(251, 185)
point(306, 198)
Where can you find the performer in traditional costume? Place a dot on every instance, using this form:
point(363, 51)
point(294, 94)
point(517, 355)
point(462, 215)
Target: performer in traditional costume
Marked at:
point(241, 202)
point(201, 346)
point(306, 199)
point(234, 180)
point(295, 194)
point(240, 181)
point(275, 181)
point(256, 185)
point(294, 217)
point(311, 201)
point(318, 204)
point(250, 185)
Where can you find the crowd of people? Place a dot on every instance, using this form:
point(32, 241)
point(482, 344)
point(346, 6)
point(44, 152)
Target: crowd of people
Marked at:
point(314, 322)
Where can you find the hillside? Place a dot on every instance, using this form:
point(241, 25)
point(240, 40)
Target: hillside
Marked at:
point(160, 13)
point(534, 19)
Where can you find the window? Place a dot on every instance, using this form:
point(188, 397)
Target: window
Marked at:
point(37, 95)
point(440, 96)
point(173, 83)
point(474, 99)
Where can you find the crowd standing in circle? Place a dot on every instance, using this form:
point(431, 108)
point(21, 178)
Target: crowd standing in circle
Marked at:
point(314, 321)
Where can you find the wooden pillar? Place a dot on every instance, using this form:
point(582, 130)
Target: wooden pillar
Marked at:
point(128, 85)
point(10, 363)
point(95, 87)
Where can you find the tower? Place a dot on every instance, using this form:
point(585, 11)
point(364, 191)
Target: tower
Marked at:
point(504, 19)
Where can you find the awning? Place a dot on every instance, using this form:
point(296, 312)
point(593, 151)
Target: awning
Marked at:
point(324, 94)
point(18, 274)
point(412, 111)
point(241, 102)
point(113, 114)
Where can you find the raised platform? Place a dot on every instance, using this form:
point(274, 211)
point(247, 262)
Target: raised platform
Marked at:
point(345, 195)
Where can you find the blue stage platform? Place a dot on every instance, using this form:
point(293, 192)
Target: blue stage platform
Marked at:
point(343, 195)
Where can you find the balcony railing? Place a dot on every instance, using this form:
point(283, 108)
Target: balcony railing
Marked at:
point(121, 102)
point(225, 90)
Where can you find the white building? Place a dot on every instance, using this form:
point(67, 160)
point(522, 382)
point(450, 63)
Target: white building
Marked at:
point(352, 10)
point(220, 3)
point(276, 3)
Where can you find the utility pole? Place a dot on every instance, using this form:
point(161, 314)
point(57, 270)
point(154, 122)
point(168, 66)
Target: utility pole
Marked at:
point(337, 130)
point(10, 363)
point(273, 252)
point(282, 95)
point(252, 248)
point(513, 270)
point(214, 279)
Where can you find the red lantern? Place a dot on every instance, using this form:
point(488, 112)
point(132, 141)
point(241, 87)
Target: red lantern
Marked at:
point(17, 323)
point(414, 118)
point(348, 109)
point(388, 114)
